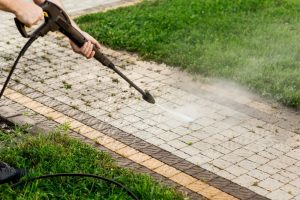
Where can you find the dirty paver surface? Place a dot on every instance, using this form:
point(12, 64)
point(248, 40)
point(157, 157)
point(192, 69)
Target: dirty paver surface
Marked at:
point(225, 130)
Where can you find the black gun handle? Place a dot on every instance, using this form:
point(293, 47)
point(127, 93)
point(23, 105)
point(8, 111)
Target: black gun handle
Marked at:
point(21, 28)
point(77, 37)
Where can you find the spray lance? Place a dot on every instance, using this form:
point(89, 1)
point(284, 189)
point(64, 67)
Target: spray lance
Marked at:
point(56, 19)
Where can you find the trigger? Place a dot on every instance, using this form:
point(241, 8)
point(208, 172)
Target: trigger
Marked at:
point(46, 14)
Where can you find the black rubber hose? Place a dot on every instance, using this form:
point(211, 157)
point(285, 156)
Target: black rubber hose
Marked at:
point(130, 193)
point(22, 52)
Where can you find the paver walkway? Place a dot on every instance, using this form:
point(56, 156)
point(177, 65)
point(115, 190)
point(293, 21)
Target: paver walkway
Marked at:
point(227, 132)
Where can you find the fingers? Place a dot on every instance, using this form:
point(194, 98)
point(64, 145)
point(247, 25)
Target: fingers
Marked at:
point(91, 55)
point(35, 19)
point(34, 16)
point(96, 43)
point(87, 50)
point(41, 17)
point(83, 49)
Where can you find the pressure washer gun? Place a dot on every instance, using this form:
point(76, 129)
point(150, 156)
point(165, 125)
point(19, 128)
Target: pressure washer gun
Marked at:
point(56, 19)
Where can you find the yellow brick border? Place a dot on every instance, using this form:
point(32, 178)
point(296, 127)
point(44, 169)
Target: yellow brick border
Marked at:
point(122, 149)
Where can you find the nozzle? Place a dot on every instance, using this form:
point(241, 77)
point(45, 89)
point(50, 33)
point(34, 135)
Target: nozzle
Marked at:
point(148, 97)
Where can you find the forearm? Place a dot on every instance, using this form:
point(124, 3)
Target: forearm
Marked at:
point(9, 5)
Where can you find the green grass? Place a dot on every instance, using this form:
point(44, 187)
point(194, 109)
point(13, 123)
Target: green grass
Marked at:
point(57, 153)
point(253, 42)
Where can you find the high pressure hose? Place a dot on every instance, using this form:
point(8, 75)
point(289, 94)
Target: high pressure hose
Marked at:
point(131, 194)
point(22, 52)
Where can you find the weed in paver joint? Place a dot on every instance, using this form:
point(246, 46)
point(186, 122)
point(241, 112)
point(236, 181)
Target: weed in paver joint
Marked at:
point(75, 107)
point(8, 42)
point(115, 80)
point(109, 115)
point(59, 37)
point(46, 58)
point(296, 147)
point(17, 80)
point(64, 45)
point(6, 69)
point(20, 91)
point(7, 57)
point(255, 183)
point(87, 103)
point(189, 143)
point(50, 118)
point(123, 67)
point(67, 85)
point(203, 180)
point(25, 113)
point(65, 127)
point(25, 71)
point(259, 126)
point(131, 95)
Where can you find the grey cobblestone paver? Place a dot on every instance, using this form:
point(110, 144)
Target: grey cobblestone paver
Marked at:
point(239, 137)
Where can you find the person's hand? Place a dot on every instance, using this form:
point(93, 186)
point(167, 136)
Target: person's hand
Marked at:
point(87, 49)
point(28, 13)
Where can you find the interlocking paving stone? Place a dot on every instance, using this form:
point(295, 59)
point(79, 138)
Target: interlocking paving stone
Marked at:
point(279, 195)
point(205, 175)
point(151, 150)
point(219, 182)
point(139, 144)
point(258, 197)
point(90, 121)
point(243, 193)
